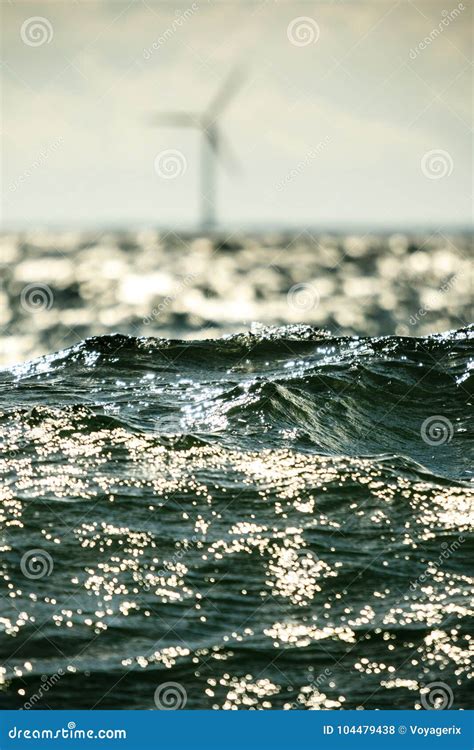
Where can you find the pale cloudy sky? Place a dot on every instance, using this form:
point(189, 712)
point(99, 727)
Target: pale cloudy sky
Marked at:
point(77, 149)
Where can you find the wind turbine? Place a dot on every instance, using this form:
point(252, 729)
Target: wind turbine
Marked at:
point(213, 144)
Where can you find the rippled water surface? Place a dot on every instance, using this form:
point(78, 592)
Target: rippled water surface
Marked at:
point(269, 520)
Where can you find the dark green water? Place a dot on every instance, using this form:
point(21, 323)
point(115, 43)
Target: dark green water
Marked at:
point(277, 520)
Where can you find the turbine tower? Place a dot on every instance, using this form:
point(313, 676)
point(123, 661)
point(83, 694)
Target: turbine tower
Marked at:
point(213, 144)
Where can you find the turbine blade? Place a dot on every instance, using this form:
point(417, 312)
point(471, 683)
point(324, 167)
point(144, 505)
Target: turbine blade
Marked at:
point(176, 120)
point(223, 152)
point(229, 89)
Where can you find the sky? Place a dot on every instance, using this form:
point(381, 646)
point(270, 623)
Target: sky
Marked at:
point(351, 113)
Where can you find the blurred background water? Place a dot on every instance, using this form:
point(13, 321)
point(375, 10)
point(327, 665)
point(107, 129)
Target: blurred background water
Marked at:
point(58, 288)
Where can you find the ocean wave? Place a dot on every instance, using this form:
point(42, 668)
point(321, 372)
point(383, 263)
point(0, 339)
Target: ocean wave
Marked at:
point(275, 519)
point(297, 384)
